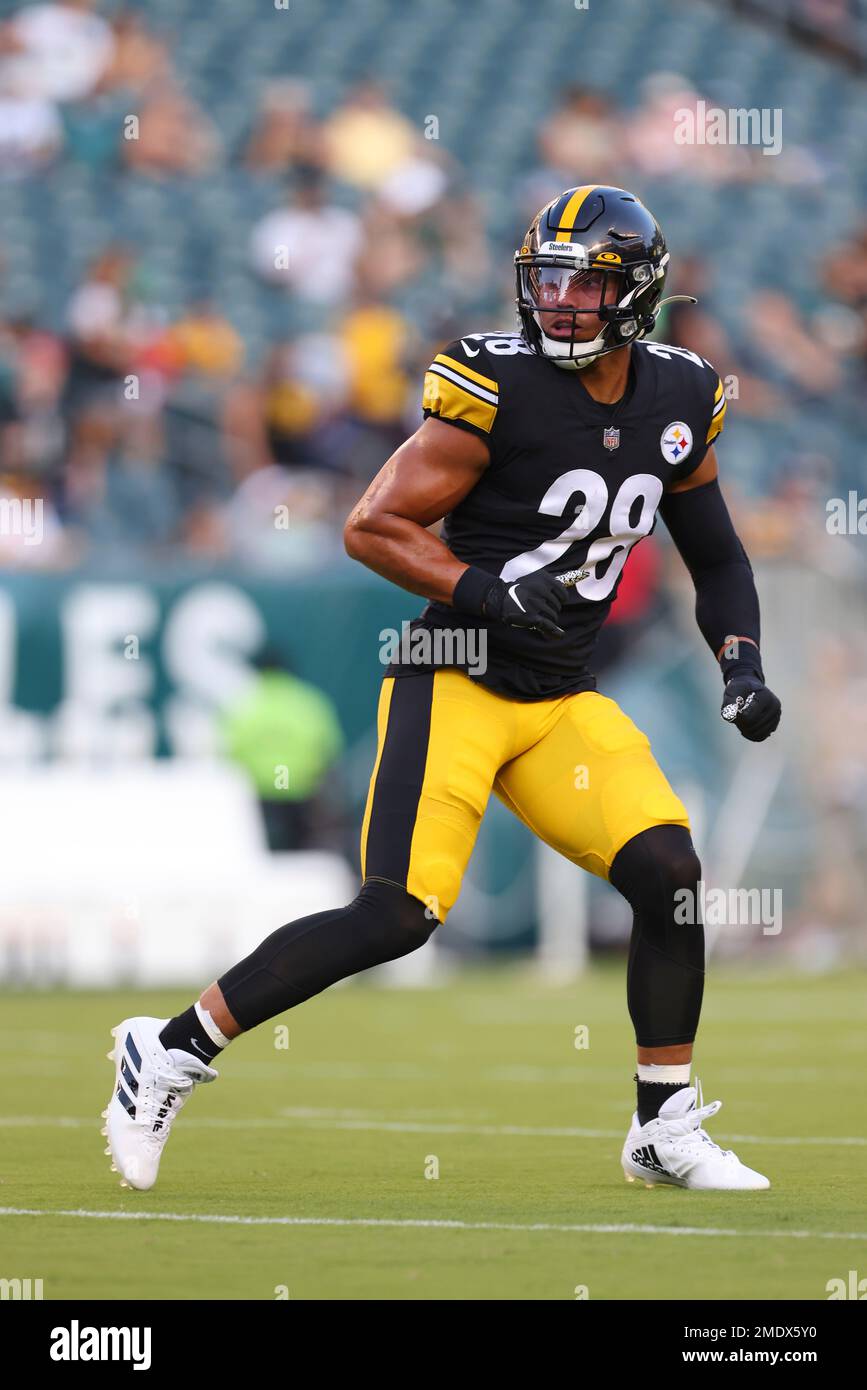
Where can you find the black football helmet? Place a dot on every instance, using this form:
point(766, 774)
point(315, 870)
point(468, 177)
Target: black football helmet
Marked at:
point(586, 237)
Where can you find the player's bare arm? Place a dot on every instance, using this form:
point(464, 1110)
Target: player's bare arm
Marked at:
point(422, 481)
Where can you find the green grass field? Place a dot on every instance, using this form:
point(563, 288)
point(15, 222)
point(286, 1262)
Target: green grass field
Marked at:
point(324, 1140)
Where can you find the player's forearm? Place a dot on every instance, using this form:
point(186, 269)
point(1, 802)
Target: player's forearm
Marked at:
point(406, 553)
point(726, 601)
point(727, 613)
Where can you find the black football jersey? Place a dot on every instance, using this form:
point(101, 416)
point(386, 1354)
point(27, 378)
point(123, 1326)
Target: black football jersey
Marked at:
point(572, 485)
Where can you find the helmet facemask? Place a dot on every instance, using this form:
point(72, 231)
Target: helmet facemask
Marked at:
point(625, 309)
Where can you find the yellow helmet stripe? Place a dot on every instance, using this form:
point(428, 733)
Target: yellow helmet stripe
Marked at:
point(572, 209)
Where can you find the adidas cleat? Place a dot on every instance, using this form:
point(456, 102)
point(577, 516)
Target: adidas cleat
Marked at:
point(674, 1149)
point(150, 1086)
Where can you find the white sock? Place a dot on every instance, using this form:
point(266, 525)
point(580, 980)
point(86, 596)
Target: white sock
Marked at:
point(669, 1076)
point(217, 1037)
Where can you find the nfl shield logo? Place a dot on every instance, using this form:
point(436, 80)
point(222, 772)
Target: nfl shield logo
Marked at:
point(611, 438)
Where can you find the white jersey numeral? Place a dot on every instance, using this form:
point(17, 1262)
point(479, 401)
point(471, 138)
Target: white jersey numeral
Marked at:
point(665, 350)
point(588, 514)
point(500, 344)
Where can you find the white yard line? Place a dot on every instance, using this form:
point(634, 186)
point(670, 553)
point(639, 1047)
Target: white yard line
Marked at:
point(606, 1228)
point(310, 1118)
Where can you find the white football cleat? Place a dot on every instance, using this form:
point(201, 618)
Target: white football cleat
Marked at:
point(674, 1149)
point(150, 1086)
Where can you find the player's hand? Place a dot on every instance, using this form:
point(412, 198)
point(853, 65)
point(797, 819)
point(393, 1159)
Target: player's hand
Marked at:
point(532, 602)
point(751, 707)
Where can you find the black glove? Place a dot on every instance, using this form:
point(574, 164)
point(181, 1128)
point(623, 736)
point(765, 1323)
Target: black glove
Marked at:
point(532, 602)
point(751, 707)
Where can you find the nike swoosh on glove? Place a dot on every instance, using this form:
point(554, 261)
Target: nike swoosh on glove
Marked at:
point(751, 707)
point(532, 602)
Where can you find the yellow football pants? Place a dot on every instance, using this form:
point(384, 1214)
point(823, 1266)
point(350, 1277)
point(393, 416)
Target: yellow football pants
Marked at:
point(575, 769)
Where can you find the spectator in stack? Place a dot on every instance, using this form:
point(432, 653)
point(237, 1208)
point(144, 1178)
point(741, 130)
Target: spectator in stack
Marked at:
point(96, 124)
point(174, 134)
point(652, 149)
point(692, 326)
point(283, 245)
point(377, 340)
point(140, 58)
point(365, 140)
point(31, 131)
point(580, 133)
point(57, 52)
point(285, 134)
point(205, 342)
point(789, 350)
point(304, 391)
point(203, 355)
point(33, 371)
point(10, 409)
point(102, 340)
point(281, 520)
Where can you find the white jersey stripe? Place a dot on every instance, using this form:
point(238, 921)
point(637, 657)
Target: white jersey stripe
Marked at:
point(462, 381)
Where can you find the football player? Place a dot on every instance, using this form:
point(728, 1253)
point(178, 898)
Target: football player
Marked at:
point(548, 454)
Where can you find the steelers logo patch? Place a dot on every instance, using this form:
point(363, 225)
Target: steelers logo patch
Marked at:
point(676, 442)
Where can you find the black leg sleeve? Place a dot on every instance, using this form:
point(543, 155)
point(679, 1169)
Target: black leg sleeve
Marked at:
point(665, 976)
point(307, 956)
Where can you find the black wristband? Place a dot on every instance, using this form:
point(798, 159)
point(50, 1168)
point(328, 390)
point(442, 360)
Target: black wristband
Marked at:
point(739, 658)
point(472, 589)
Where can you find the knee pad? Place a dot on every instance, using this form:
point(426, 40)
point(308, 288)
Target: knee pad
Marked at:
point(391, 919)
point(654, 872)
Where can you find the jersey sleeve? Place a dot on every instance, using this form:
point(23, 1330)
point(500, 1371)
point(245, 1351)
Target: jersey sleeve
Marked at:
point(707, 415)
point(718, 413)
point(457, 392)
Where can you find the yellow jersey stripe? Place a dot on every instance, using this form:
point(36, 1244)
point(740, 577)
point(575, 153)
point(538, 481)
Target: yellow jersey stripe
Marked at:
point(448, 399)
point(463, 370)
point(716, 424)
point(438, 369)
point(572, 209)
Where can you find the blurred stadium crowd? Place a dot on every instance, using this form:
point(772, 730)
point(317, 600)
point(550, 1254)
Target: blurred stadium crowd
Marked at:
point(838, 26)
point(214, 302)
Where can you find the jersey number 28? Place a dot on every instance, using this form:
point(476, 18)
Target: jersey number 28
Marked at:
point(588, 515)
